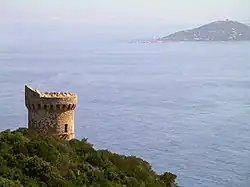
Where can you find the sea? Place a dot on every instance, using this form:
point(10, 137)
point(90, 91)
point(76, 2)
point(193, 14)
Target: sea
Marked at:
point(183, 107)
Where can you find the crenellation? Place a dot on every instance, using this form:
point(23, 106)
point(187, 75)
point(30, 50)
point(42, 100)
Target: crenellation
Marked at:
point(51, 113)
point(57, 94)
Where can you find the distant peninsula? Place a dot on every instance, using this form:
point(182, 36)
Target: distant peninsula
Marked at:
point(215, 31)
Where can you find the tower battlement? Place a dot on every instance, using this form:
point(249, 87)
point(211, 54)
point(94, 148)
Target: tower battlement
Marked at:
point(51, 113)
point(36, 100)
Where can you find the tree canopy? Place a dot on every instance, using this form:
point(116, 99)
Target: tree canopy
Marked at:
point(28, 159)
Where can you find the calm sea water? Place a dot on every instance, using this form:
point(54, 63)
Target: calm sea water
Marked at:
point(184, 107)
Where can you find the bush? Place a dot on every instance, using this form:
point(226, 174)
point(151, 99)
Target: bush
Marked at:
point(30, 160)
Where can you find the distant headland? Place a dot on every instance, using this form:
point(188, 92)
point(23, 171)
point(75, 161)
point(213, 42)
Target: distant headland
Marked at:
point(214, 31)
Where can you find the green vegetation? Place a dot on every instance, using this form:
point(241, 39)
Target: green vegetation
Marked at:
point(30, 160)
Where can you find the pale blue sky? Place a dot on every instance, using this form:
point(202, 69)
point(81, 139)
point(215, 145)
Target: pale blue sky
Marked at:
point(123, 11)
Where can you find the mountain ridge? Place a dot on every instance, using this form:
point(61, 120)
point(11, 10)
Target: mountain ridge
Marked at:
point(213, 31)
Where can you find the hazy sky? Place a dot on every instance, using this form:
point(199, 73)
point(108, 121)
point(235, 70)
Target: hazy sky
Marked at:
point(122, 11)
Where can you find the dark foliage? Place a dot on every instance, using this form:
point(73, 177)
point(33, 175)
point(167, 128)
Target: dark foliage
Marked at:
point(30, 160)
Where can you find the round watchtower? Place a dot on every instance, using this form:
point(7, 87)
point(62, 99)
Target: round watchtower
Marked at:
point(51, 113)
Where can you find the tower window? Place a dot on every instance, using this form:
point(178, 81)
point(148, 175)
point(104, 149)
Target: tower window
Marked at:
point(57, 107)
point(66, 128)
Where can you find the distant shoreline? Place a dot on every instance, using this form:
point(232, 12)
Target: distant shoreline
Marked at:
point(218, 31)
point(169, 42)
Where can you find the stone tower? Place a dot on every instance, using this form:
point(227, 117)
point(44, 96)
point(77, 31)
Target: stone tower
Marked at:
point(51, 113)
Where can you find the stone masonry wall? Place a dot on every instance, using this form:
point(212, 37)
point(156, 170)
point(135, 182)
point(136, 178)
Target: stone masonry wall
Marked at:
point(52, 122)
point(51, 113)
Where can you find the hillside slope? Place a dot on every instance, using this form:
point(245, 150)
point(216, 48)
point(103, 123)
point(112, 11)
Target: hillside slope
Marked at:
point(31, 160)
point(215, 31)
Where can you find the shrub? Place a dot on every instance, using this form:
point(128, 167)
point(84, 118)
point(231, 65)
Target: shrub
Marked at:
point(31, 160)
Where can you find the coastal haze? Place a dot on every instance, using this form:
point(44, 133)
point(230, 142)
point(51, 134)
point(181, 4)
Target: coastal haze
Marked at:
point(184, 107)
point(135, 19)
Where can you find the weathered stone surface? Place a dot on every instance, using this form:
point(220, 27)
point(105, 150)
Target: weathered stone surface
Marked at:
point(51, 113)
